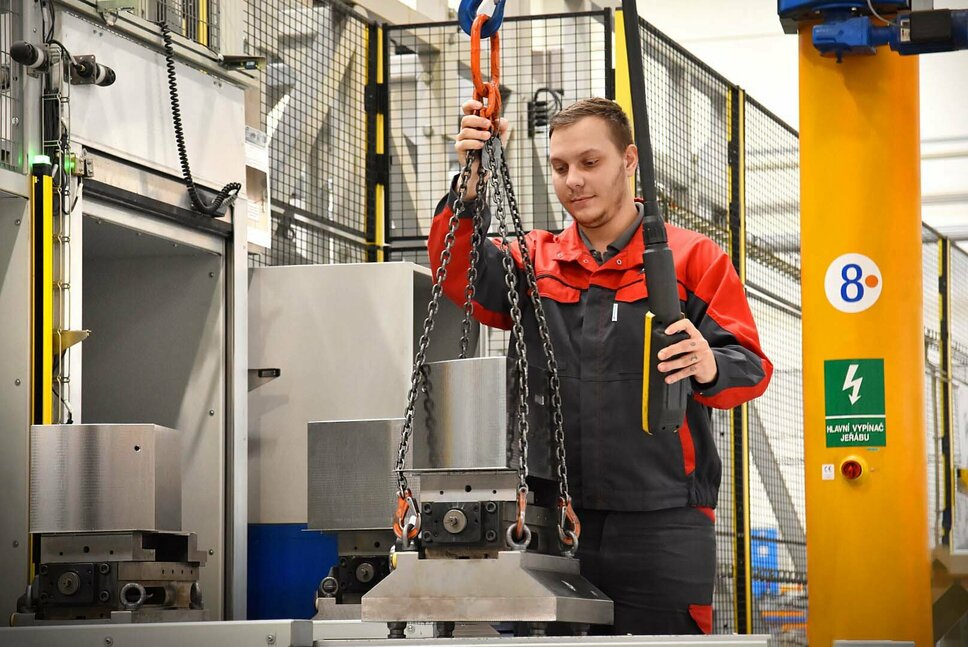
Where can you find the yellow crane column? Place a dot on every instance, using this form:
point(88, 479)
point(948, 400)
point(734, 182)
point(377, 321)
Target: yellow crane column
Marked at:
point(863, 354)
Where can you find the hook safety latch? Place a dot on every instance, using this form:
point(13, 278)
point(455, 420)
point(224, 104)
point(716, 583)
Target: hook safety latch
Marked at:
point(518, 534)
point(569, 527)
point(469, 10)
point(406, 519)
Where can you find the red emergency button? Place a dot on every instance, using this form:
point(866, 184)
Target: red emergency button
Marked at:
point(851, 469)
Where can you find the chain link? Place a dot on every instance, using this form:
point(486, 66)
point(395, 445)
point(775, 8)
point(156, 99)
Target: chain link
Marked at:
point(420, 359)
point(476, 236)
point(555, 381)
point(492, 150)
point(499, 178)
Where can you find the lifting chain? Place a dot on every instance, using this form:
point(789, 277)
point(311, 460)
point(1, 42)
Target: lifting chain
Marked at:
point(520, 537)
point(494, 172)
point(569, 528)
point(476, 238)
point(405, 502)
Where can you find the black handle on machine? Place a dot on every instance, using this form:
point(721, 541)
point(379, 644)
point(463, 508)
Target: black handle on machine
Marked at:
point(663, 405)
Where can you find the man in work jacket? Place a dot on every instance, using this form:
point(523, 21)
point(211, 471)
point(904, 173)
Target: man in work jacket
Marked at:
point(645, 501)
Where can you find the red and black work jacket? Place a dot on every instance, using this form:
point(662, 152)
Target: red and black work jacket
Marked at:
point(595, 315)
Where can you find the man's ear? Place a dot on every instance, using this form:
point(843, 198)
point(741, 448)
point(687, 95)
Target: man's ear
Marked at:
point(631, 159)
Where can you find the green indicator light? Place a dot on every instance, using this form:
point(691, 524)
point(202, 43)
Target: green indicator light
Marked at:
point(40, 159)
point(68, 164)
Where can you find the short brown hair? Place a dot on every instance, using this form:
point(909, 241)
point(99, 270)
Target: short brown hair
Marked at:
point(610, 112)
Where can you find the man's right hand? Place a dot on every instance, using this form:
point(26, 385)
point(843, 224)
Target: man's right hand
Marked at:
point(474, 132)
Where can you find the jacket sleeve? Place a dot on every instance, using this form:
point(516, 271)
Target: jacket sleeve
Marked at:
point(491, 306)
point(717, 305)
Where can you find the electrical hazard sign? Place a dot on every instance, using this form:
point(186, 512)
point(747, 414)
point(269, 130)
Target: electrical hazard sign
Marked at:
point(854, 402)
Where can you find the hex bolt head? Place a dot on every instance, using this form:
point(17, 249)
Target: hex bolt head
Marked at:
point(103, 596)
point(103, 568)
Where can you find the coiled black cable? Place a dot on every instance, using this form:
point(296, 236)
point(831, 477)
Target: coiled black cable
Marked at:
point(230, 190)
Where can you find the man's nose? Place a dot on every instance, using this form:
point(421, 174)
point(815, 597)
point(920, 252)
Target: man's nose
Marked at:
point(574, 178)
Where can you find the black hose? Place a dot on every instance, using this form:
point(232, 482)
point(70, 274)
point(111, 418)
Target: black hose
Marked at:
point(230, 190)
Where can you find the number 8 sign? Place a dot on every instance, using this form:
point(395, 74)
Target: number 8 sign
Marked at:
point(853, 283)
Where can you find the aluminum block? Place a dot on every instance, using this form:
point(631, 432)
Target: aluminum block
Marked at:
point(517, 586)
point(352, 485)
point(466, 420)
point(104, 477)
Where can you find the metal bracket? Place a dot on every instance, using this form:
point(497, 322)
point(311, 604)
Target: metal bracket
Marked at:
point(260, 376)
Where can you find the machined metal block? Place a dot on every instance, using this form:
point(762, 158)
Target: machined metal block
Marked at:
point(104, 478)
point(467, 419)
point(516, 586)
point(352, 485)
point(121, 547)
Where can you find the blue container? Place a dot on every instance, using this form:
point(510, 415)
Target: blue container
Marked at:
point(286, 564)
point(765, 556)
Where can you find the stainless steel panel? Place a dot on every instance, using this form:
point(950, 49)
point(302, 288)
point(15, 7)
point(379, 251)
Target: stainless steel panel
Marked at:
point(104, 477)
point(758, 640)
point(14, 396)
point(101, 117)
point(258, 633)
point(351, 481)
point(299, 633)
point(517, 586)
point(237, 421)
point(157, 353)
point(466, 420)
point(342, 339)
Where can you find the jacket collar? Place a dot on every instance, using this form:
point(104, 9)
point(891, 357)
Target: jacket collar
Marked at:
point(571, 247)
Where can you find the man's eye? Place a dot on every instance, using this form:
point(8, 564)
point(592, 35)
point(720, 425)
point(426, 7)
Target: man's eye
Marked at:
point(559, 169)
point(591, 162)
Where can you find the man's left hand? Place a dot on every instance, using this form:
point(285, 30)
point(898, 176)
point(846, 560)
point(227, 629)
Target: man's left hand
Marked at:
point(689, 358)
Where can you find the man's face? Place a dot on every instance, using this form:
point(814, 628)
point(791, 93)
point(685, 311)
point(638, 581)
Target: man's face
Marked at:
point(589, 171)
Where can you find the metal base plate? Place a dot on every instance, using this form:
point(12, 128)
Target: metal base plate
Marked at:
point(517, 586)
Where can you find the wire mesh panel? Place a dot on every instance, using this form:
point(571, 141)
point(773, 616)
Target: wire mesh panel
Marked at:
point(11, 107)
point(689, 123)
point(196, 20)
point(772, 174)
point(777, 491)
point(958, 322)
point(429, 76)
point(933, 383)
point(772, 264)
point(724, 590)
point(313, 110)
point(300, 242)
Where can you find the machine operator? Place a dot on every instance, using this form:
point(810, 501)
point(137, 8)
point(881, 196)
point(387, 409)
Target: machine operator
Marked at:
point(646, 502)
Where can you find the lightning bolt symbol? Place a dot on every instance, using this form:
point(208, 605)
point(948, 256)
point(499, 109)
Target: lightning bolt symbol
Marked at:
point(853, 383)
